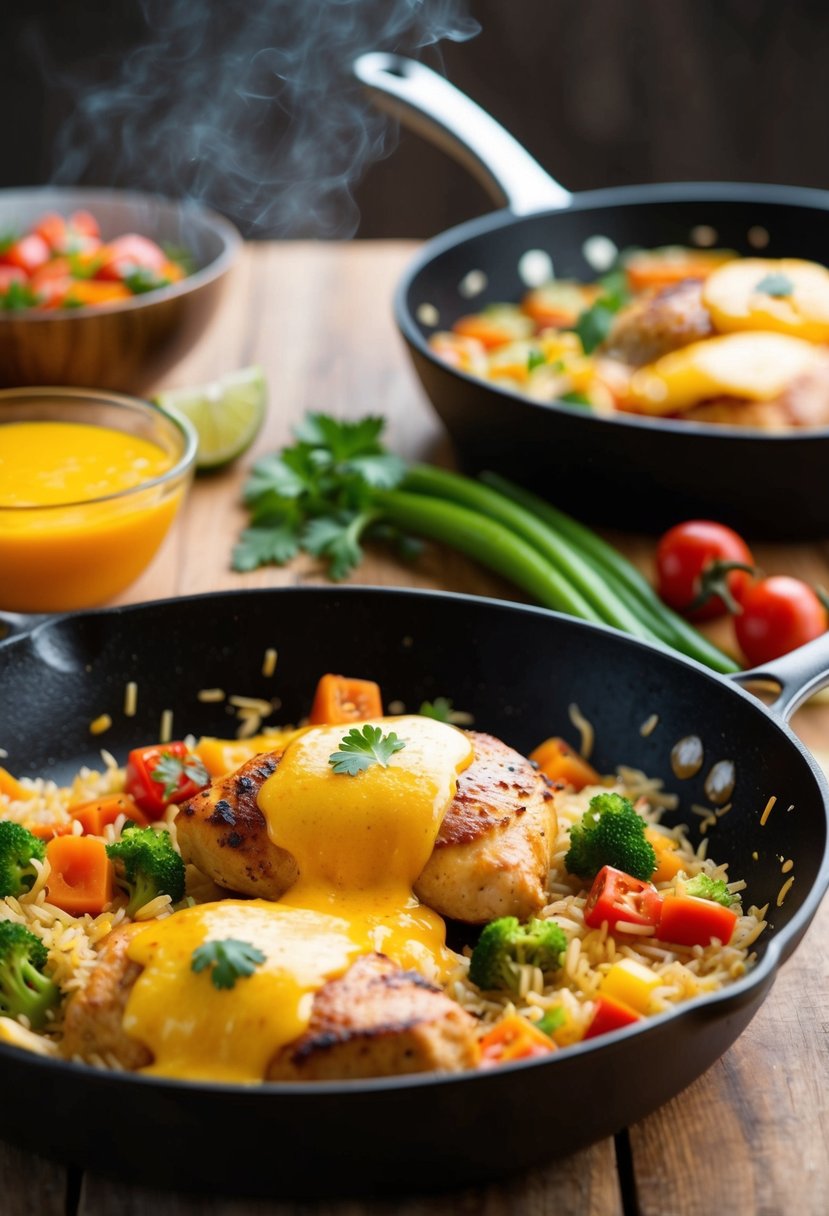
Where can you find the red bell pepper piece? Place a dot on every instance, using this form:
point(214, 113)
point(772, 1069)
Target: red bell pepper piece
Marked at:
point(610, 1014)
point(163, 773)
point(618, 897)
point(689, 921)
point(126, 254)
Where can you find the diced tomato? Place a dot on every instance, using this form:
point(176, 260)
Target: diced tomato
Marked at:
point(126, 254)
point(610, 1015)
point(163, 773)
point(29, 253)
point(52, 227)
point(689, 921)
point(85, 224)
point(618, 897)
point(9, 275)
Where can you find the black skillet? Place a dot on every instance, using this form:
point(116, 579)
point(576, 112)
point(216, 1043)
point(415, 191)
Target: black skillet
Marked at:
point(517, 669)
point(623, 471)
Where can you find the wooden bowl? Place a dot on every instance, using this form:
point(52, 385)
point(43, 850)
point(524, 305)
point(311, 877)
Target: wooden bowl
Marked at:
point(126, 345)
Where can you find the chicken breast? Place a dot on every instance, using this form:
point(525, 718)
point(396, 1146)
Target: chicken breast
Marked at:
point(376, 1020)
point(491, 857)
point(379, 1021)
point(657, 323)
point(804, 403)
point(92, 1023)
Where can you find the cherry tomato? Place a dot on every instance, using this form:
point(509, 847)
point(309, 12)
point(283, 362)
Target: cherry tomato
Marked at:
point(779, 614)
point(161, 774)
point(689, 567)
point(616, 896)
point(84, 224)
point(52, 227)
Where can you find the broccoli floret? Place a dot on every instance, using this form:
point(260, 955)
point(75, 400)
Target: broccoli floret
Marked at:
point(505, 945)
point(611, 833)
point(146, 865)
point(24, 989)
point(17, 848)
point(703, 886)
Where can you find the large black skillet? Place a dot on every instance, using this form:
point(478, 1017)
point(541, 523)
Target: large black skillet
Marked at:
point(517, 669)
point(623, 470)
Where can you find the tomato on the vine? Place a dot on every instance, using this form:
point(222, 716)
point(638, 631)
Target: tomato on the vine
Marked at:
point(778, 615)
point(703, 569)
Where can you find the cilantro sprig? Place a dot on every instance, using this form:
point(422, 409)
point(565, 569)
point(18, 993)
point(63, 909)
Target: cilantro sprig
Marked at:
point(318, 495)
point(594, 324)
point(229, 960)
point(359, 749)
point(171, 770)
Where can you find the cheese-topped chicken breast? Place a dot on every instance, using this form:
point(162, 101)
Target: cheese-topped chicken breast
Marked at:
point(375, 1020)
point(491, 856)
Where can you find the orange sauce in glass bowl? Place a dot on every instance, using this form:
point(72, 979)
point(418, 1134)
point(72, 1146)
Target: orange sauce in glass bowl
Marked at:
point(83, 507)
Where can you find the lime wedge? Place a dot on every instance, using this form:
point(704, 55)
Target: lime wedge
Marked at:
point(227, 413)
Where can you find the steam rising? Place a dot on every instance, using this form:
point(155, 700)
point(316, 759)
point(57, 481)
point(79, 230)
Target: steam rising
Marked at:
point(250, 106)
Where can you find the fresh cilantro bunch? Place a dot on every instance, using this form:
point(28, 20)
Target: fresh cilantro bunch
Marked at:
point(359, 749)
point(317, 495)
point(229, 960)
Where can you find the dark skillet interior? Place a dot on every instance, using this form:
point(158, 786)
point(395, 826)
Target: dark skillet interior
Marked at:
point(624, 471)
point(517, 670)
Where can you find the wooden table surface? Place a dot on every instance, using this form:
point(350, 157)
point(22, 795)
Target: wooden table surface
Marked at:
point(752, 1134)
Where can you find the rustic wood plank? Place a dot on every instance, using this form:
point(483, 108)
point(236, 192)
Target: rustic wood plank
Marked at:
point(751, 1135)
point(30, 1185)
point(585, 1183)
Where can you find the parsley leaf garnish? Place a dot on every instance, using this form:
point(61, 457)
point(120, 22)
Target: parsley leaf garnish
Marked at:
point(594, 324)
point(535, 359)
point(141, 279)
point(230, 960)
point(171, 770)
point(440, 710)
point(777, 285)
point(319, 495)
point(359, 749)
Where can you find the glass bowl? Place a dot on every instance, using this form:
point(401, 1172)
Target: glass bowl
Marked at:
point(80, 553)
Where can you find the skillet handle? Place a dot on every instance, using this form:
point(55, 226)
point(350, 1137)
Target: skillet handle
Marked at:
point(14, 623)
point(430, 105)
point(799, 674)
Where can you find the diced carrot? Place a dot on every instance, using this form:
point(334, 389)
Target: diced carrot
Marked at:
point(494, 328)
point(81, 874)
point(341, 699)
point(657, 268)
point(514, 1038)
point(221, 756)
point(668, 863)
point(172, 271)
point(45, 831)
point(12, 788)
point(90, 293)
point(95, 815)
point(559, 762)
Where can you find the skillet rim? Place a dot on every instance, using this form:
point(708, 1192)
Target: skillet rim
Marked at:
point(737, 993)
point(660, 192)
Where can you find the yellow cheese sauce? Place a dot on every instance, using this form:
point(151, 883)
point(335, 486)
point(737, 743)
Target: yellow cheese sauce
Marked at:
point(65, 541)
point(46, 463)
point(360, 843)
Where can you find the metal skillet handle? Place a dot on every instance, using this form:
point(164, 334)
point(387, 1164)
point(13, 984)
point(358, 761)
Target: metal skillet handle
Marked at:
point(14, 623)
point(433, 107)
point(799, 674)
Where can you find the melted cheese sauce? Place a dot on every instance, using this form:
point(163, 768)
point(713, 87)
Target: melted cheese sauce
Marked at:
point(360, 843)
point(47, 463)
